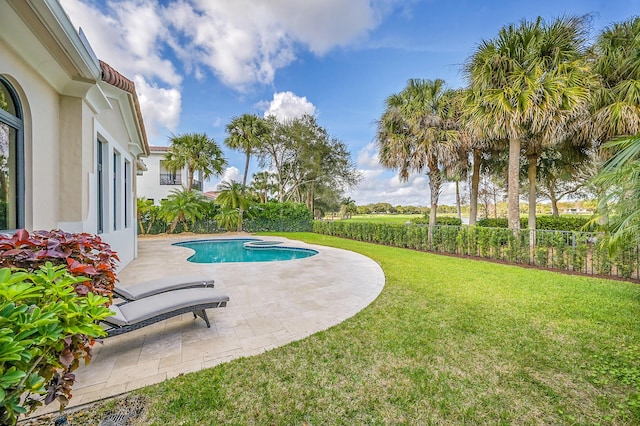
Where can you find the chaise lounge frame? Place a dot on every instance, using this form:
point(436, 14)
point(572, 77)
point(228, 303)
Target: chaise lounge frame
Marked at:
point(162, 285)
point(212, 299)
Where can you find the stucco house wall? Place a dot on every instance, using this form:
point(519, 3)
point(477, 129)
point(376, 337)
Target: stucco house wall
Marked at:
point(73, 106)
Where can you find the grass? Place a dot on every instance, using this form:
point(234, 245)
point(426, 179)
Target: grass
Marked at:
point(448, 341)
point(383, 218)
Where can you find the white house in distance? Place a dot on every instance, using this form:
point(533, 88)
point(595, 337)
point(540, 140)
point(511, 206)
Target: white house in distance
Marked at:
point(158, 181)
point(71, 131)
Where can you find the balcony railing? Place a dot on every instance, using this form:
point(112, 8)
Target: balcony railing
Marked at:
point(170, 179)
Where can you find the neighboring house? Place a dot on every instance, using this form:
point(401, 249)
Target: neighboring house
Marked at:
point(158, 181)
point(71, 131)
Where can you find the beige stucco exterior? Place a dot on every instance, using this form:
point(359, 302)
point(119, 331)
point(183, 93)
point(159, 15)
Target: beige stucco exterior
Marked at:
point(67, 108)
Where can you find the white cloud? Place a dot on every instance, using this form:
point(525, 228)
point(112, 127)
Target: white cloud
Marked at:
point(128, 36)
point(368, 157)
point(287, 106)
point(380, 185)
point(230, 174)
point(242, 42)
point(160, 107)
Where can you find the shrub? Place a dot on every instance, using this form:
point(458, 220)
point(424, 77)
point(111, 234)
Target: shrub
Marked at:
point(543, 222)
point(84, 255)
point(281, 217)
point(45, 329)
point(440, 220)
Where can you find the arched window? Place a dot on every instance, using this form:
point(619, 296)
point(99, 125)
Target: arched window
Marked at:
point(11, 159)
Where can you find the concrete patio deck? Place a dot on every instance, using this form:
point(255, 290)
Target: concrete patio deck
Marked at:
point(271, 304)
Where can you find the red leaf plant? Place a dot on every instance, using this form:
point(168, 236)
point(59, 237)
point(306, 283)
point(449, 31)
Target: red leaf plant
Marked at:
point(84, 255)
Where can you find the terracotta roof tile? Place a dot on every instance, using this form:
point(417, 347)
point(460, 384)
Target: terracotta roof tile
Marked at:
point(114, 78)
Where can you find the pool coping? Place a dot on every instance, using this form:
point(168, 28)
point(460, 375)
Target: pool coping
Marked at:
point(271, 304)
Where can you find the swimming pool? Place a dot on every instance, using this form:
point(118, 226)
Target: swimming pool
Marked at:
point(242, 250)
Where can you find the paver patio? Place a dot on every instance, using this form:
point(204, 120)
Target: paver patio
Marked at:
point(271, 304)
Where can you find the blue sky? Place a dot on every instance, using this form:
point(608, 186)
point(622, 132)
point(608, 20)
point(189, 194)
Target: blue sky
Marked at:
point(198, 63)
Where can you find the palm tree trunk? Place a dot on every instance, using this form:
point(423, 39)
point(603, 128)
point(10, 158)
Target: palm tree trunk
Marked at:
point(513, 190)
point(246, 169)
point(435, 181)
point(531, 173)
point(554, 203)
point(173, 225)
point(141, 225)
point(458, 207)
point(241, 214)
point(475, 184)
point(190, 172)
point(532, 206)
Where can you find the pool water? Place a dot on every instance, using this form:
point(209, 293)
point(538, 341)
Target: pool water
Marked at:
point(234, 250)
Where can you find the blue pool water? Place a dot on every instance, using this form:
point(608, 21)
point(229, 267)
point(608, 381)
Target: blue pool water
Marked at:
point(233, 250)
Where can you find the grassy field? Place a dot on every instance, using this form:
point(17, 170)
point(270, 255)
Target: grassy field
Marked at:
point(382, 218)
point(448, 341)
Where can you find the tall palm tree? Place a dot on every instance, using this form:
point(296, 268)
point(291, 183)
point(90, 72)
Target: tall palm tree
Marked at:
point(348, 207)
point(617, 63)
point(246, 133)
point(182, 206)
point(526, 85)
point(415, 132)
point(198, 153)
point(264, 183)
point(233, 197)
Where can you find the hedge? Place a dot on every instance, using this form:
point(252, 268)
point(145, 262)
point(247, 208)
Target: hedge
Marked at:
point(440, 220)
point(565, 250)
point(544, 222)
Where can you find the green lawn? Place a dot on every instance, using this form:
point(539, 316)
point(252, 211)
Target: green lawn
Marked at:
point(448, 341)
point(382, 218)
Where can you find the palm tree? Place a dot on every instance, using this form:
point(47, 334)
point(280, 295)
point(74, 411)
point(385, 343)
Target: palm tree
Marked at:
point(198, 153)
point(417, 129)
point(527, 85)
point(617, 63)
point(233, 197)
point(621, 176)
point(264, 183)
point(144, 209)
point(246, 134)
point(348, 207)
point(182, 206)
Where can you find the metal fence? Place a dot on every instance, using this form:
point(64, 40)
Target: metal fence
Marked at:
point(581, 252)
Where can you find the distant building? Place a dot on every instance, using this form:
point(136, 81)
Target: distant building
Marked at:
point(71, 131)
point(158, 181)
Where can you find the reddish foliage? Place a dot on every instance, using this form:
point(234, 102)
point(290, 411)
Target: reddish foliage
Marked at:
point(83, 254)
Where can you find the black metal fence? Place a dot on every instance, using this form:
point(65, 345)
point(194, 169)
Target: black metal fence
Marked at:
point(583, 252)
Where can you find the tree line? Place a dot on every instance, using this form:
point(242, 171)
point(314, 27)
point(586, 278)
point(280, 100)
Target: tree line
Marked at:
point(543, 111)
point(302, 162)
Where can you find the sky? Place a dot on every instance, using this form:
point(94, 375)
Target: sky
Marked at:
point(197, 64)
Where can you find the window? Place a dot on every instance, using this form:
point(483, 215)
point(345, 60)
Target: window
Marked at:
point(169, 177)
point(11, 159)
point(117, 190)
point(128, 190)
point(101, 192)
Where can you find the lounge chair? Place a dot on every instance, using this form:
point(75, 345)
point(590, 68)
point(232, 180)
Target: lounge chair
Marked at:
point(161, 285)
point(136, 314)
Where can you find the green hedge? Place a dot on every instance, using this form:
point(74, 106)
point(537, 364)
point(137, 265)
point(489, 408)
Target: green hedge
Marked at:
point(440, 220)
point(279, 217)
point(544, 222)
point(566, 250)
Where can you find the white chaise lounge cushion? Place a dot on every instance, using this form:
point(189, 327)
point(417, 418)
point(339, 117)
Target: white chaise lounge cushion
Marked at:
point(158, 304)
point(151, 287)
